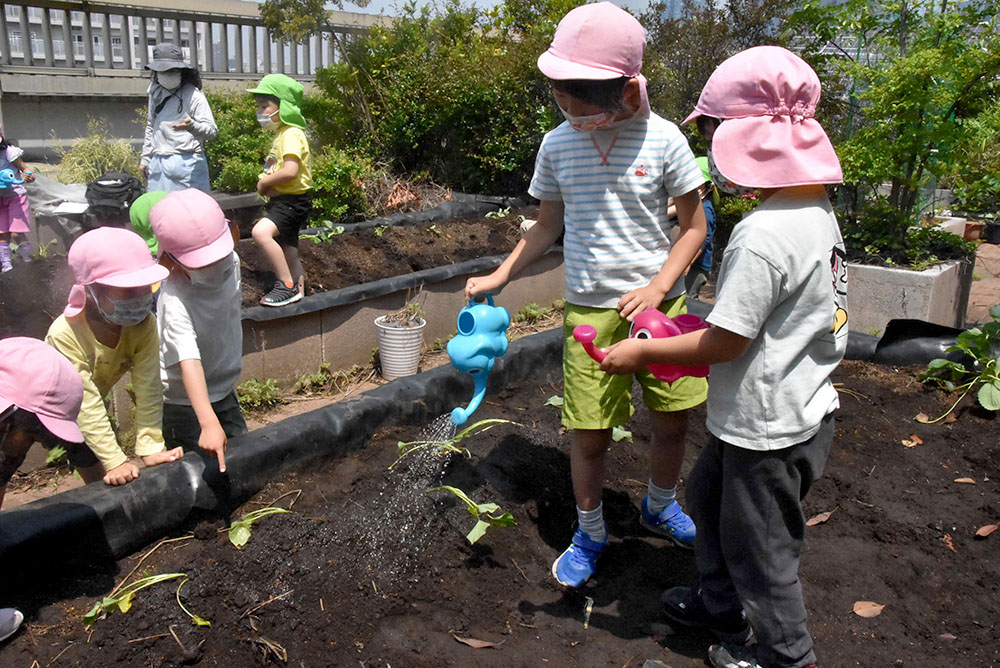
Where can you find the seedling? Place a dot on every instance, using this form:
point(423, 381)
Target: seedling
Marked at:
point(435, 230)
point(448, 446)
point(498, 214)
point(325, 233)
point(122, 599)
point(983, 345)
point(195, 619)
point(380, 230)
point(487, 514)
point(239, 532)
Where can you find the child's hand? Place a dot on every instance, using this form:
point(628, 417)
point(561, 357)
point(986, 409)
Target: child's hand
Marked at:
point(163, 457)
point(482, 285)
point(635, 302)
point(264, 190)
point(623, 358)
point(28, 175)
point(144, 172)
point(120, 475)
point(213, 440)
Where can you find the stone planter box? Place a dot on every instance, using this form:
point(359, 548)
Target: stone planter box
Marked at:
point(877, 295)
point(336, 328)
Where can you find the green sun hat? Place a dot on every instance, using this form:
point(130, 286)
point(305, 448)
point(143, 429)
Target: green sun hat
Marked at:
point(703, 164)
point(289, 92)
point(138, 213)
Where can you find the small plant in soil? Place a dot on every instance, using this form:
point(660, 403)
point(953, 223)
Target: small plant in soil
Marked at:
point(411, 315)
point(325, 233)
point(531, 313)
point(487, 514)
point(239, 532)
point(498, 214)
point(121, 599)
point(449, 446)
point(255, 395)
point(195, 619)
point(982, 344)
point(380, 230)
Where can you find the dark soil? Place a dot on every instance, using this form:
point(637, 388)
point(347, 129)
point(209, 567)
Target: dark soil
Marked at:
point(368, 255)
point(372, 572)
point(33, 295)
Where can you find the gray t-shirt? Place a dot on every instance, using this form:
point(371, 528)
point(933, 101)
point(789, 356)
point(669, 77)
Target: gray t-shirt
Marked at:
point(201, 320)
point(783, 283)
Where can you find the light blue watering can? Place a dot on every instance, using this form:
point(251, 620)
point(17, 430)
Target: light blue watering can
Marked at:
point(8, 179)
point(481, 338)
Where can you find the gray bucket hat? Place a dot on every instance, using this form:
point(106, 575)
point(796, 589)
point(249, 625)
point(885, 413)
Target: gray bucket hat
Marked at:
point(167, 56)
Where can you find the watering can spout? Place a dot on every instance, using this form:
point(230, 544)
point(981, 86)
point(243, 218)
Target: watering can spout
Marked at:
point(481, 338)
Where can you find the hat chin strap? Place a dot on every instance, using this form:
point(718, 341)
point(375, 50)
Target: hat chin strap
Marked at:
point(644, 109)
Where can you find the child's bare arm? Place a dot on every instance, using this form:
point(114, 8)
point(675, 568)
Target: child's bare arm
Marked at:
point(532, 246)
point(29, 176)
point(287, 172)
point(706, 346)
point(213, 438)
point(691, 218)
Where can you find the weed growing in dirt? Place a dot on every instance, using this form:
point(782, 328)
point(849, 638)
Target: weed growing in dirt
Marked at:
point(435, 230)
point(983, 345)
point(239, 532)
point(380, 230)
point(498, 214)
point(122, 599)
point(411, 315)
point(254, 395)
point(487, 514)
point(325, 233)
point(326, 380)
point(531, 313)
point(448, 446)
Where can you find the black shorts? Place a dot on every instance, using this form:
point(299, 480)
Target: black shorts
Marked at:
point(289, 213)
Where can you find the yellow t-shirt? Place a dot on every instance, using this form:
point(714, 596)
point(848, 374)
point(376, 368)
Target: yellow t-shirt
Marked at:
point(100, 367)
point(290, 140)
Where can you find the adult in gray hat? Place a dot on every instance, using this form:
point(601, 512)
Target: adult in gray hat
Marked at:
point(178, 124)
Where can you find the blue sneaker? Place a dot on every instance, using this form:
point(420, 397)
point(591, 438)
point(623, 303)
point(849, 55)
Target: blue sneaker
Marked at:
point(577, 563)
point(671, 522)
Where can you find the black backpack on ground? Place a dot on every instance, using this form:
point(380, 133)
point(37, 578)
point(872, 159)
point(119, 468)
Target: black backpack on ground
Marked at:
point(110, 195)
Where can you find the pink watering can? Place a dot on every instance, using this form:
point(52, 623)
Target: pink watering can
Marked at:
point(651, 324)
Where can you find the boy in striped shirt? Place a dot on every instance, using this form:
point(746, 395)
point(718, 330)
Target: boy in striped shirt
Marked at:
point(605, 175)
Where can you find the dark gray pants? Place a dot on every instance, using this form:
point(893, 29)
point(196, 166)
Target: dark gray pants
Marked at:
point(747, 507)
point(181, 427)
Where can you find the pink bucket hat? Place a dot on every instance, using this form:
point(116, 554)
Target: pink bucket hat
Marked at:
point(767, 95)
point(599, 41)
point(110, 256)
point(36, 378)
point(190, 226)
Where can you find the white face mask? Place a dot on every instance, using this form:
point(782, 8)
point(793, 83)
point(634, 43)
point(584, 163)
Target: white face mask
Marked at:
point(127, 312)
point(267, 120)
point(724, 184)
point(602, 121)
point(169, 80)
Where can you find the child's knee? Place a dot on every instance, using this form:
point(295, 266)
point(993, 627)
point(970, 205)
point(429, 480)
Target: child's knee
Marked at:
point(263, 230)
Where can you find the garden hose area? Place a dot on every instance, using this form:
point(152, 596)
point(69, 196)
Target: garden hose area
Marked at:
point(96, 524)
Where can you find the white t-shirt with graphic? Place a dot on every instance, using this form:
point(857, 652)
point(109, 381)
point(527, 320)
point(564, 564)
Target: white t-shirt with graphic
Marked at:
point(783, 283)
point(614, 185)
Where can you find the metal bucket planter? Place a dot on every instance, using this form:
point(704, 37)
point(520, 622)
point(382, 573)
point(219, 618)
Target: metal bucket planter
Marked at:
point(399, 346)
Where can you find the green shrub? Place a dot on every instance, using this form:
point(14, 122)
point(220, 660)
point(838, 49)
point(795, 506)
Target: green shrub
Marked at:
point(255, 395)
point(339, 183)
point(96, 154)
point(236, 155)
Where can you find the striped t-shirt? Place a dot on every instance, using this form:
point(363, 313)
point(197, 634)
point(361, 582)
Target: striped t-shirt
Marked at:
point(615, 214)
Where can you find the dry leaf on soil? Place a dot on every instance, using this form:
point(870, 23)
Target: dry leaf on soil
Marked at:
point(949, 418)
point(475, 643)
point(868, 608)
point(986, 530)
point(948, 636)
point(922, 417)
point(912, 441)
point(946, 539)
point(965, 481)
point(822, 517)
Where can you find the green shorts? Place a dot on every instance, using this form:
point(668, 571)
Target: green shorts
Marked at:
point(597, 400)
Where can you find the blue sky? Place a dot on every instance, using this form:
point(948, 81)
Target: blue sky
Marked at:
point(388, 6)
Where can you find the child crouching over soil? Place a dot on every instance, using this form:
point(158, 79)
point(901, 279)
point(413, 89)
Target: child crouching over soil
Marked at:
point(605, 176)
point(201, 337)
point(779, 328)
point(106, 329)
point(286, 182)
point(40, 395)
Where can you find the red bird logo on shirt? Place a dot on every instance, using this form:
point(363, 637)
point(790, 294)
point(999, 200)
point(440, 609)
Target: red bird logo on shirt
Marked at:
point(642, 171)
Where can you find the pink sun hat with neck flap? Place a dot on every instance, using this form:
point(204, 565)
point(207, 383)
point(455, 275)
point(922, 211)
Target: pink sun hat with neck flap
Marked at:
point(190, 226)
point(597, 42)
point(38, 379)
point(767, 96)
point(110, 256)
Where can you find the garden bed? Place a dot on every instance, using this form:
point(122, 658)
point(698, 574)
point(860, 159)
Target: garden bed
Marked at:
point(371, 571)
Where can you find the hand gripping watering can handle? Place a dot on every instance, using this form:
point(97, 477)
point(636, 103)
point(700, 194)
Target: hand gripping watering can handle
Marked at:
point(586, 334)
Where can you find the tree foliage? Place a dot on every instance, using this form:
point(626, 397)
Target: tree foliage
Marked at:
point(294, 20)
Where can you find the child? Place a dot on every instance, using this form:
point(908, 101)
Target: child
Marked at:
point(138, 215)
point(201, 335)
point(779, 328)
point(13, 204)
point(286, 181)
point(698, 273)
point(107, 329)
point(40, 395)
point(606, 175)
point(178, 123)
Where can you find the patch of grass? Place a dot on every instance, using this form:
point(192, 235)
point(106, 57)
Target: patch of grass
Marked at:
point(531, 313)
point(255, 395)
point(96, 154)
point(326, 380)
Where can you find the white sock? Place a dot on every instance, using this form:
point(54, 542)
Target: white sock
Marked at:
point(592, 523)
point(659, 498)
